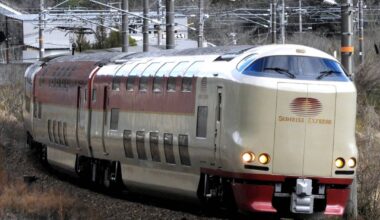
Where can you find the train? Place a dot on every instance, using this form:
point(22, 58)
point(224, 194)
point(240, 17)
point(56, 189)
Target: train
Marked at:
point(261, 128)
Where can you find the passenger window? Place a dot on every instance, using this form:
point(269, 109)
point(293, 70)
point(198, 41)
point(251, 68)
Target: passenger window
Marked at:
point(93, 95)
point(168, 148)
point(171, 84)
point(187, 84)
point(60, 131)
point(39, 110)
point(116, 83)
point(184, 149)
point(114, 123)
point(143, 85)
point(55, 132)
point(127, 142)
point(151, 69)
point(35, 107)
point(180, 69)
point(140, 144)
point(202, 121)
point(49, 131)
point(130, 83)
point(27, 103)
point(153, 139)
point(65, 134)
point(157, 84)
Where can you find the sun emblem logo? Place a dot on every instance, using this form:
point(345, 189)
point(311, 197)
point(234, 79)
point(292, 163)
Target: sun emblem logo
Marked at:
point(306, 107)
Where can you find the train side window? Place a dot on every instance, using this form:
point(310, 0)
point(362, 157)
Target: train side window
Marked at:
point(93, 95)
point(27, 103)
point(65, 134)
point(168, 148)
point(187, 84)
point(114, 121)
point(116, 83)
point(60, 132)
point(157, 84)
point(140, 144)
point(127, 142)
point(202, 121)
point(171, 84)
point(35, 107)
point(183, 144)
point(39, 110)
point(143, 84)
point(49, 131)
point(153, 139)
point(54, 132)
point(130, 83)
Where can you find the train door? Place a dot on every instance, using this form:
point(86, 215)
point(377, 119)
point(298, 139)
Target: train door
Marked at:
point(218, 125)
point(104, 120)
point(79, 113)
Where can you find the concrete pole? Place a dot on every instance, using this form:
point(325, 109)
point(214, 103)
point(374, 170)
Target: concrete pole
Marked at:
point(41, 26)
point(146, 26)
point(361, 32)
point(274, 21)
point(300, 15)
point(124, 27)
point(159, 25)
point(6, 40)
point(283, 22)
point(170, 44)
point(201, 24)
point(347, 49)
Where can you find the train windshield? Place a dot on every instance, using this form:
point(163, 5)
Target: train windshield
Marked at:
point(297, 67)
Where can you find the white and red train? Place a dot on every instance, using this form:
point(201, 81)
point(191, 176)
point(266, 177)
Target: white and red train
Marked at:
point(269, 128)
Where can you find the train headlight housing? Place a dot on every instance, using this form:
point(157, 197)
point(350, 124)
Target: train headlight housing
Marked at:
point(351, 162)
point(248, 157)
point(339, 162)
point(264, 158)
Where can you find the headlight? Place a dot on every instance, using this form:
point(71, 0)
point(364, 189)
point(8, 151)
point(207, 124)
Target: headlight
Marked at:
point(248, 157)
point(351, 162)
point(339, 162)
point(264, 158)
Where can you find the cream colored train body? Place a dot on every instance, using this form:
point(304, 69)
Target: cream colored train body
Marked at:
point(270, 128)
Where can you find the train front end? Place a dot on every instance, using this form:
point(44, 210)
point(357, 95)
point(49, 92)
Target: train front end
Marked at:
point(295, 137)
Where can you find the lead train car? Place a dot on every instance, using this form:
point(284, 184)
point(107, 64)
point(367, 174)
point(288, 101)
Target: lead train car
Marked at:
point(269, 128)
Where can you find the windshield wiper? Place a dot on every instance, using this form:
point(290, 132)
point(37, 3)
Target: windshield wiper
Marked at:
point(326, 73)
point(282, 71)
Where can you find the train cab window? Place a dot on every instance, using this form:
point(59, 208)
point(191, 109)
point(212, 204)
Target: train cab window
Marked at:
point(116, 83)
point(127, 142)
point(93, 95)
point(183, 144)
point(49, 131)
point(153, 139)
point(65, 134)
point(168, 148)
point(130, 83)
point(242, 65)
point(202, 121)
point(114, 121)
point(140, 144)
point(143, 84)
point(297, 67)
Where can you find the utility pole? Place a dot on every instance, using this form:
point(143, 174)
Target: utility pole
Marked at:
point(170, 44)
point(347, 49)
point(361, 32)
point(124, 27)
point(41, 26)
point(6, 40)
point(146, 26)
point(201, 23)
point(300, 15)
point(159, 20)
point(274, 21)
point(283, 22)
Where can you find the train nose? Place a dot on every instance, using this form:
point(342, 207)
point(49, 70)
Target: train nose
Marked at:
point(304, 134)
